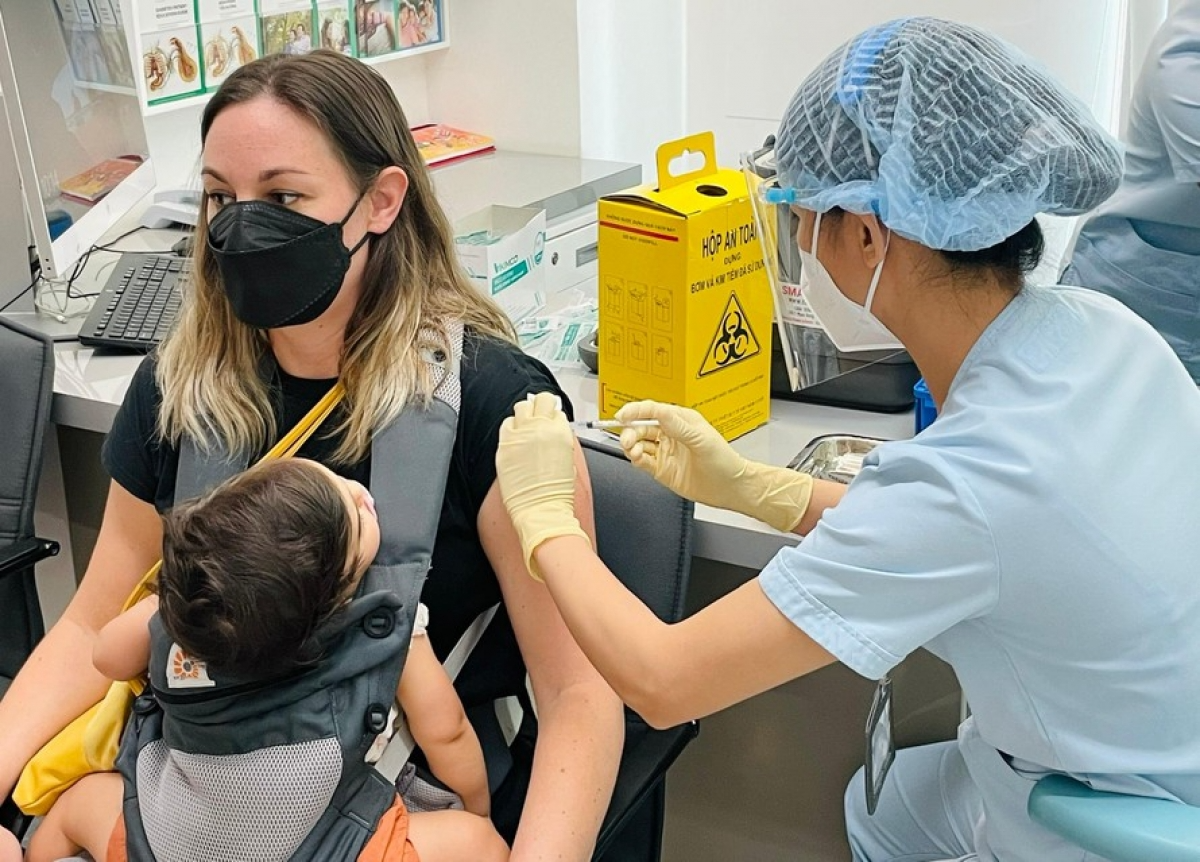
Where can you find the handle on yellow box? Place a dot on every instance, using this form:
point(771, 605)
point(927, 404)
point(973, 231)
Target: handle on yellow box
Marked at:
point(703, 143)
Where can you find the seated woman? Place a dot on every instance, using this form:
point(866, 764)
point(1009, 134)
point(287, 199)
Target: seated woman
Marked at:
point(322, 255)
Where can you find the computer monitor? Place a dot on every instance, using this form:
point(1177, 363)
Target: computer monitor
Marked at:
point(77, 135)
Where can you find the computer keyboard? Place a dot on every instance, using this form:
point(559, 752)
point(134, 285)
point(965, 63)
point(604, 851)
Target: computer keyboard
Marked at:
point(137, 304)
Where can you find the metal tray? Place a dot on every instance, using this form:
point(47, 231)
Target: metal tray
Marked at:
point(837, 457)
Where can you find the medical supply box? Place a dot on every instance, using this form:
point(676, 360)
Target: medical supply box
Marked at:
point(685, 306)
point(502, 249)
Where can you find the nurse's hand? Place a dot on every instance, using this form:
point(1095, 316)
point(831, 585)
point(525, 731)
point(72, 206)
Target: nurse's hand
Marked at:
point(535, 467)
point(689, 456)
point(683, 451)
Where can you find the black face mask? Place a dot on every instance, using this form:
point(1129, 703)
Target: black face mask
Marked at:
point(279, 267)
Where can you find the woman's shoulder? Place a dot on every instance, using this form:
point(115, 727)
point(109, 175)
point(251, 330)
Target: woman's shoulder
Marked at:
point(495, 374)
point(144, 394)
point(489, 362)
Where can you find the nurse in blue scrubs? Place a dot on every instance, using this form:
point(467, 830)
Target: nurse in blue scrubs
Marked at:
point(1040, 535)
point(1143, 245)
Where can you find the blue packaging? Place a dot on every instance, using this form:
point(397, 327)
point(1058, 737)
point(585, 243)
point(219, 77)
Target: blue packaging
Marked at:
point(925, 411)
point(58, 221)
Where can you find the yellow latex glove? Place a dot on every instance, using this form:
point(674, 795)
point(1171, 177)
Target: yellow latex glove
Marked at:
point(690, 457)
point(535, 466)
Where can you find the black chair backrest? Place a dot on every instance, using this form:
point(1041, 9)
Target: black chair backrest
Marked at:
point(26, 387)
point(643, 530)
point(644, 536)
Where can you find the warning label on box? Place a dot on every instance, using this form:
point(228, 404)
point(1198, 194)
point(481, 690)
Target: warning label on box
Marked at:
point(733, 341)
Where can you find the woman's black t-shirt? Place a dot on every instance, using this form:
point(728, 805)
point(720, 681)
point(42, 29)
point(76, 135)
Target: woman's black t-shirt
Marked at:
point(495, 375)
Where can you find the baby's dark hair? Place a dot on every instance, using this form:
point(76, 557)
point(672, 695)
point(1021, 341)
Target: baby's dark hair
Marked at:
point(252, 569)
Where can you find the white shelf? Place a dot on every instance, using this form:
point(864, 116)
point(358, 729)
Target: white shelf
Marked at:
point(202, 98)
point(106, 88)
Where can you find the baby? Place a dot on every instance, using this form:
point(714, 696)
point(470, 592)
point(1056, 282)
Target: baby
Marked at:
point(249, 572)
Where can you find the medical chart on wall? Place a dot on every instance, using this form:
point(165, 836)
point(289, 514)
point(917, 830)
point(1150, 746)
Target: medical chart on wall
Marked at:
point(228, 38)
point(391, 26)
point(168, 46)
point(187, 48)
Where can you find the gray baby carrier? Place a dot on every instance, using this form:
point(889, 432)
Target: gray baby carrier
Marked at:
point(233, 770)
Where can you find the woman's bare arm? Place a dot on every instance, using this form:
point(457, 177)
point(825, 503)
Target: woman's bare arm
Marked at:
point(580, 720)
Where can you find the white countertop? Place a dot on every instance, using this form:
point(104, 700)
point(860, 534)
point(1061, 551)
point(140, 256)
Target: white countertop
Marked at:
point(89, 388)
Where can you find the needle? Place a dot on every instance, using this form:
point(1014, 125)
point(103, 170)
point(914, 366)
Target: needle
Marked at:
point(613, 423)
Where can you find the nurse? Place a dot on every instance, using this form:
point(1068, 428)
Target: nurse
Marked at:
point(1143, 245)
point(1039, 536)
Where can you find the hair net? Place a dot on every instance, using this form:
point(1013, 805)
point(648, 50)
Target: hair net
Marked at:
point(952, 137)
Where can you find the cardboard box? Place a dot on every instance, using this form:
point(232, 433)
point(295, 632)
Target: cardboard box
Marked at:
point(502, 250)
point(685, 304)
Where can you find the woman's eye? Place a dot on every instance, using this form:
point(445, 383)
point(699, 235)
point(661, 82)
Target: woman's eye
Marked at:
point(216, 200)
point(284, 198)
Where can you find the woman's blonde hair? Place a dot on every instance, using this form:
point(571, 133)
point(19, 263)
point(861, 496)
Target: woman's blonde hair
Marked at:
point(210, 367)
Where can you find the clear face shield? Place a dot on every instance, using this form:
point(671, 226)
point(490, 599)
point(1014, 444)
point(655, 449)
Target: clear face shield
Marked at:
point(809, 355)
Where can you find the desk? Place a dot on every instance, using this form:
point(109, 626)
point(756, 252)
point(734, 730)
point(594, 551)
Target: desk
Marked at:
point(89, 388)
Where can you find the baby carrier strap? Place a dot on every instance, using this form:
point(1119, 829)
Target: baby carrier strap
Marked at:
point(239, 768)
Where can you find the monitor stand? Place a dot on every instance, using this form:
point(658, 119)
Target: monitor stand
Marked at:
point(58, 329)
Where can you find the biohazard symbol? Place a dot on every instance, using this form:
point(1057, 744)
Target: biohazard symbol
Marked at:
point(734, 341)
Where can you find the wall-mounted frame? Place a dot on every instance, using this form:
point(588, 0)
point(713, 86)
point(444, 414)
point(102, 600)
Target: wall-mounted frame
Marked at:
point(185, 49)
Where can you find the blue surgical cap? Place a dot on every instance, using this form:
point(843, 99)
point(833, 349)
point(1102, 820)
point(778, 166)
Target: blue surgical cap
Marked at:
point(952, 137)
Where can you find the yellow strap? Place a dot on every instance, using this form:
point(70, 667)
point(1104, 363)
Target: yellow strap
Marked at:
point(287, 446)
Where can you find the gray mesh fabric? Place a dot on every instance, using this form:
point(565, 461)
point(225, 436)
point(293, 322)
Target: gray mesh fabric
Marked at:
point(952, 137)
point(420, 795)
point(258, 806)
point(447, 387)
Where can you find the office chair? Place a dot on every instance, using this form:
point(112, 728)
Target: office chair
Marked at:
point(1116, 826)
point(644, 535)
point(26, 386)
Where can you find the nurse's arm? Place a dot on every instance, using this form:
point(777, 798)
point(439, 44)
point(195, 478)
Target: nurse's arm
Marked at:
point(737, 647)
point(825, 495)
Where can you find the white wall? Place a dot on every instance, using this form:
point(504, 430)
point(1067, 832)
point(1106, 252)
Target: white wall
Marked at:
point(743, 101)
point(735, 66)
point(633, 83)
point(512, 72)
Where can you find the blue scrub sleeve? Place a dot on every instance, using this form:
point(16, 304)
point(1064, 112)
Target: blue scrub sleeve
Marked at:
point(904, 556)
point(1172, 89)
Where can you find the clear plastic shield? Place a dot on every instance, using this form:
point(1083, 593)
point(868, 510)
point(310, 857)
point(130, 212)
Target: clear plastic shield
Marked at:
point(808, 354)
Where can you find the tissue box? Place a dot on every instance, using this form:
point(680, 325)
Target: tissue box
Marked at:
point(501, 249)
point(685, 304)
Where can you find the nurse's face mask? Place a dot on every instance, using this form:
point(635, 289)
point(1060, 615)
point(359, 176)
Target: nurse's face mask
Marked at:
point(850, 326)
point(279, 267)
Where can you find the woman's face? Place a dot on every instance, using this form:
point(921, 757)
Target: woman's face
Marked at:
point(262, 150)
